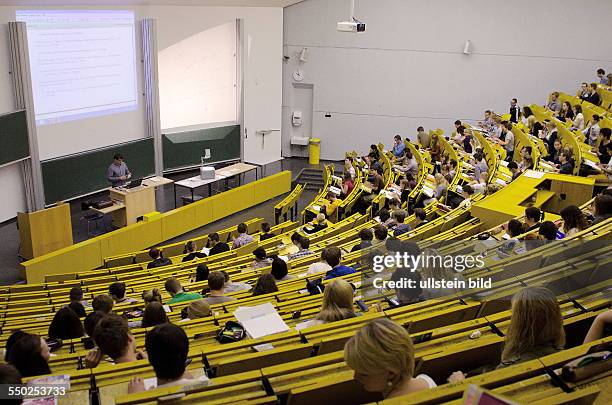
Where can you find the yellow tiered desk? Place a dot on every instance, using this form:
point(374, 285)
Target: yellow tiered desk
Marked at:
point(549, 192)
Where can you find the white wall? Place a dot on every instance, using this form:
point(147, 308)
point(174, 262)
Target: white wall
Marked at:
point(262, 81)
point(262, 69)
point(408, 69)
point(13, 195)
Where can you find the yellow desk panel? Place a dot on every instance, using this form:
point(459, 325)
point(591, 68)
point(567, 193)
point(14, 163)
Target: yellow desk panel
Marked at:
point(178, 221)
point(87, 254)
point(131, 238)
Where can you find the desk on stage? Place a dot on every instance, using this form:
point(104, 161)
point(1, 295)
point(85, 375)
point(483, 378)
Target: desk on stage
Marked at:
point(225, 173)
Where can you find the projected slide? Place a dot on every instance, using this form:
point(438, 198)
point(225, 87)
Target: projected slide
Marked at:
point(197, 79)
point(83, 63)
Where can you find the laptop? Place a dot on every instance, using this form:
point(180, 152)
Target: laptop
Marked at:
point(135, 183)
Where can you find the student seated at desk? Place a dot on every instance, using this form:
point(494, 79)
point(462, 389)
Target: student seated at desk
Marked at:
point(566, 163)
point(319, 224)
point(113, 339)
point(337, 304)
point(382, 356)
point(243, 237)
point(400, 228)
point(420, 217)
point(349, 167)
point(334, 203)
point(398, 146)
point(536, 328)
point(154, 314)
point(174, 288)
point(266, 284)
point(526, 159)
point(90, 322)
point(574, 220)
point(480, 165)
point(78, 309)
point(319, 267)
point(365, 235)
point(76, 297)
point(65, 325)
point(441, 186)
point(28, 353)
point(436, 270)
point(153, 295)
point(601, 209)
point(480, 185)
point(548, 231)
point(117, 292)
point(261, 259)
point(170, 365)
point(280, 270)
point(230, 286)
point(384, 218)
point(201, 274)
point(407, 164)
point(196, 310)
point(514, 169)
point(265, 232)
point(215, 245)
point(216, 284)
point(333, 256)
point(303, 245)
point(533, 216)
point(380, 234)
point(158, 260)
point(103, 303)
point(191, 252)
point(347, 184)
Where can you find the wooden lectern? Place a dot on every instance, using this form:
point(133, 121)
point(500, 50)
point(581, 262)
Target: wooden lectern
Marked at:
point(131, 204)
point(44, 231)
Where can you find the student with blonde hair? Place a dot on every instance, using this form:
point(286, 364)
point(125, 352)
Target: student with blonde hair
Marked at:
point(198, 309)
point(382, 357)
point(441, 186)
point(154, 295)
point(337, 304)
point(536, 328)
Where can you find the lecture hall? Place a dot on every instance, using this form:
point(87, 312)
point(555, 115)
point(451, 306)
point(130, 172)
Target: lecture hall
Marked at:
point(297, 202)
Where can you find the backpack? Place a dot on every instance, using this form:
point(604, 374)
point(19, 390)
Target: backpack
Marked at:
point(231, 332)
point(315, 286)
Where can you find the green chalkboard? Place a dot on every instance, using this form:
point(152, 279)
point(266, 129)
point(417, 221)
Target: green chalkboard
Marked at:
point(183, 149)
point(83, 173)
point(14, 143)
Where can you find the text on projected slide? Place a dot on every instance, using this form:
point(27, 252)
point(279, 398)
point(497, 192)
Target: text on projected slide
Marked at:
point(83, 63)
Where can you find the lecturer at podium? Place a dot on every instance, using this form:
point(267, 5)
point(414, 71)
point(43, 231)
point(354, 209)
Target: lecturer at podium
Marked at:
point(118, 173)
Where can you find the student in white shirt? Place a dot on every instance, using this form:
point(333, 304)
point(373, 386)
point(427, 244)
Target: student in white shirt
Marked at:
point(578, 122)
point(348, 166)
point(592, 130)
point(382, 356)
point(320, 266)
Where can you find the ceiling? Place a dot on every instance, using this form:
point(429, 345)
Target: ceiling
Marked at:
point(225, 3)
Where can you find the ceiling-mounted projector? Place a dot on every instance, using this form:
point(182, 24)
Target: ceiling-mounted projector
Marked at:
point(353, 24)
point(348, 26)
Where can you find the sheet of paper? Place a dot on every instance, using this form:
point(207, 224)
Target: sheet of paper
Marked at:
point(533, 174)
point(261, 320)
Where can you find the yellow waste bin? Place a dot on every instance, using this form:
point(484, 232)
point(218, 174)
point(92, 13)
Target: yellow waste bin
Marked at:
point(314, 151)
